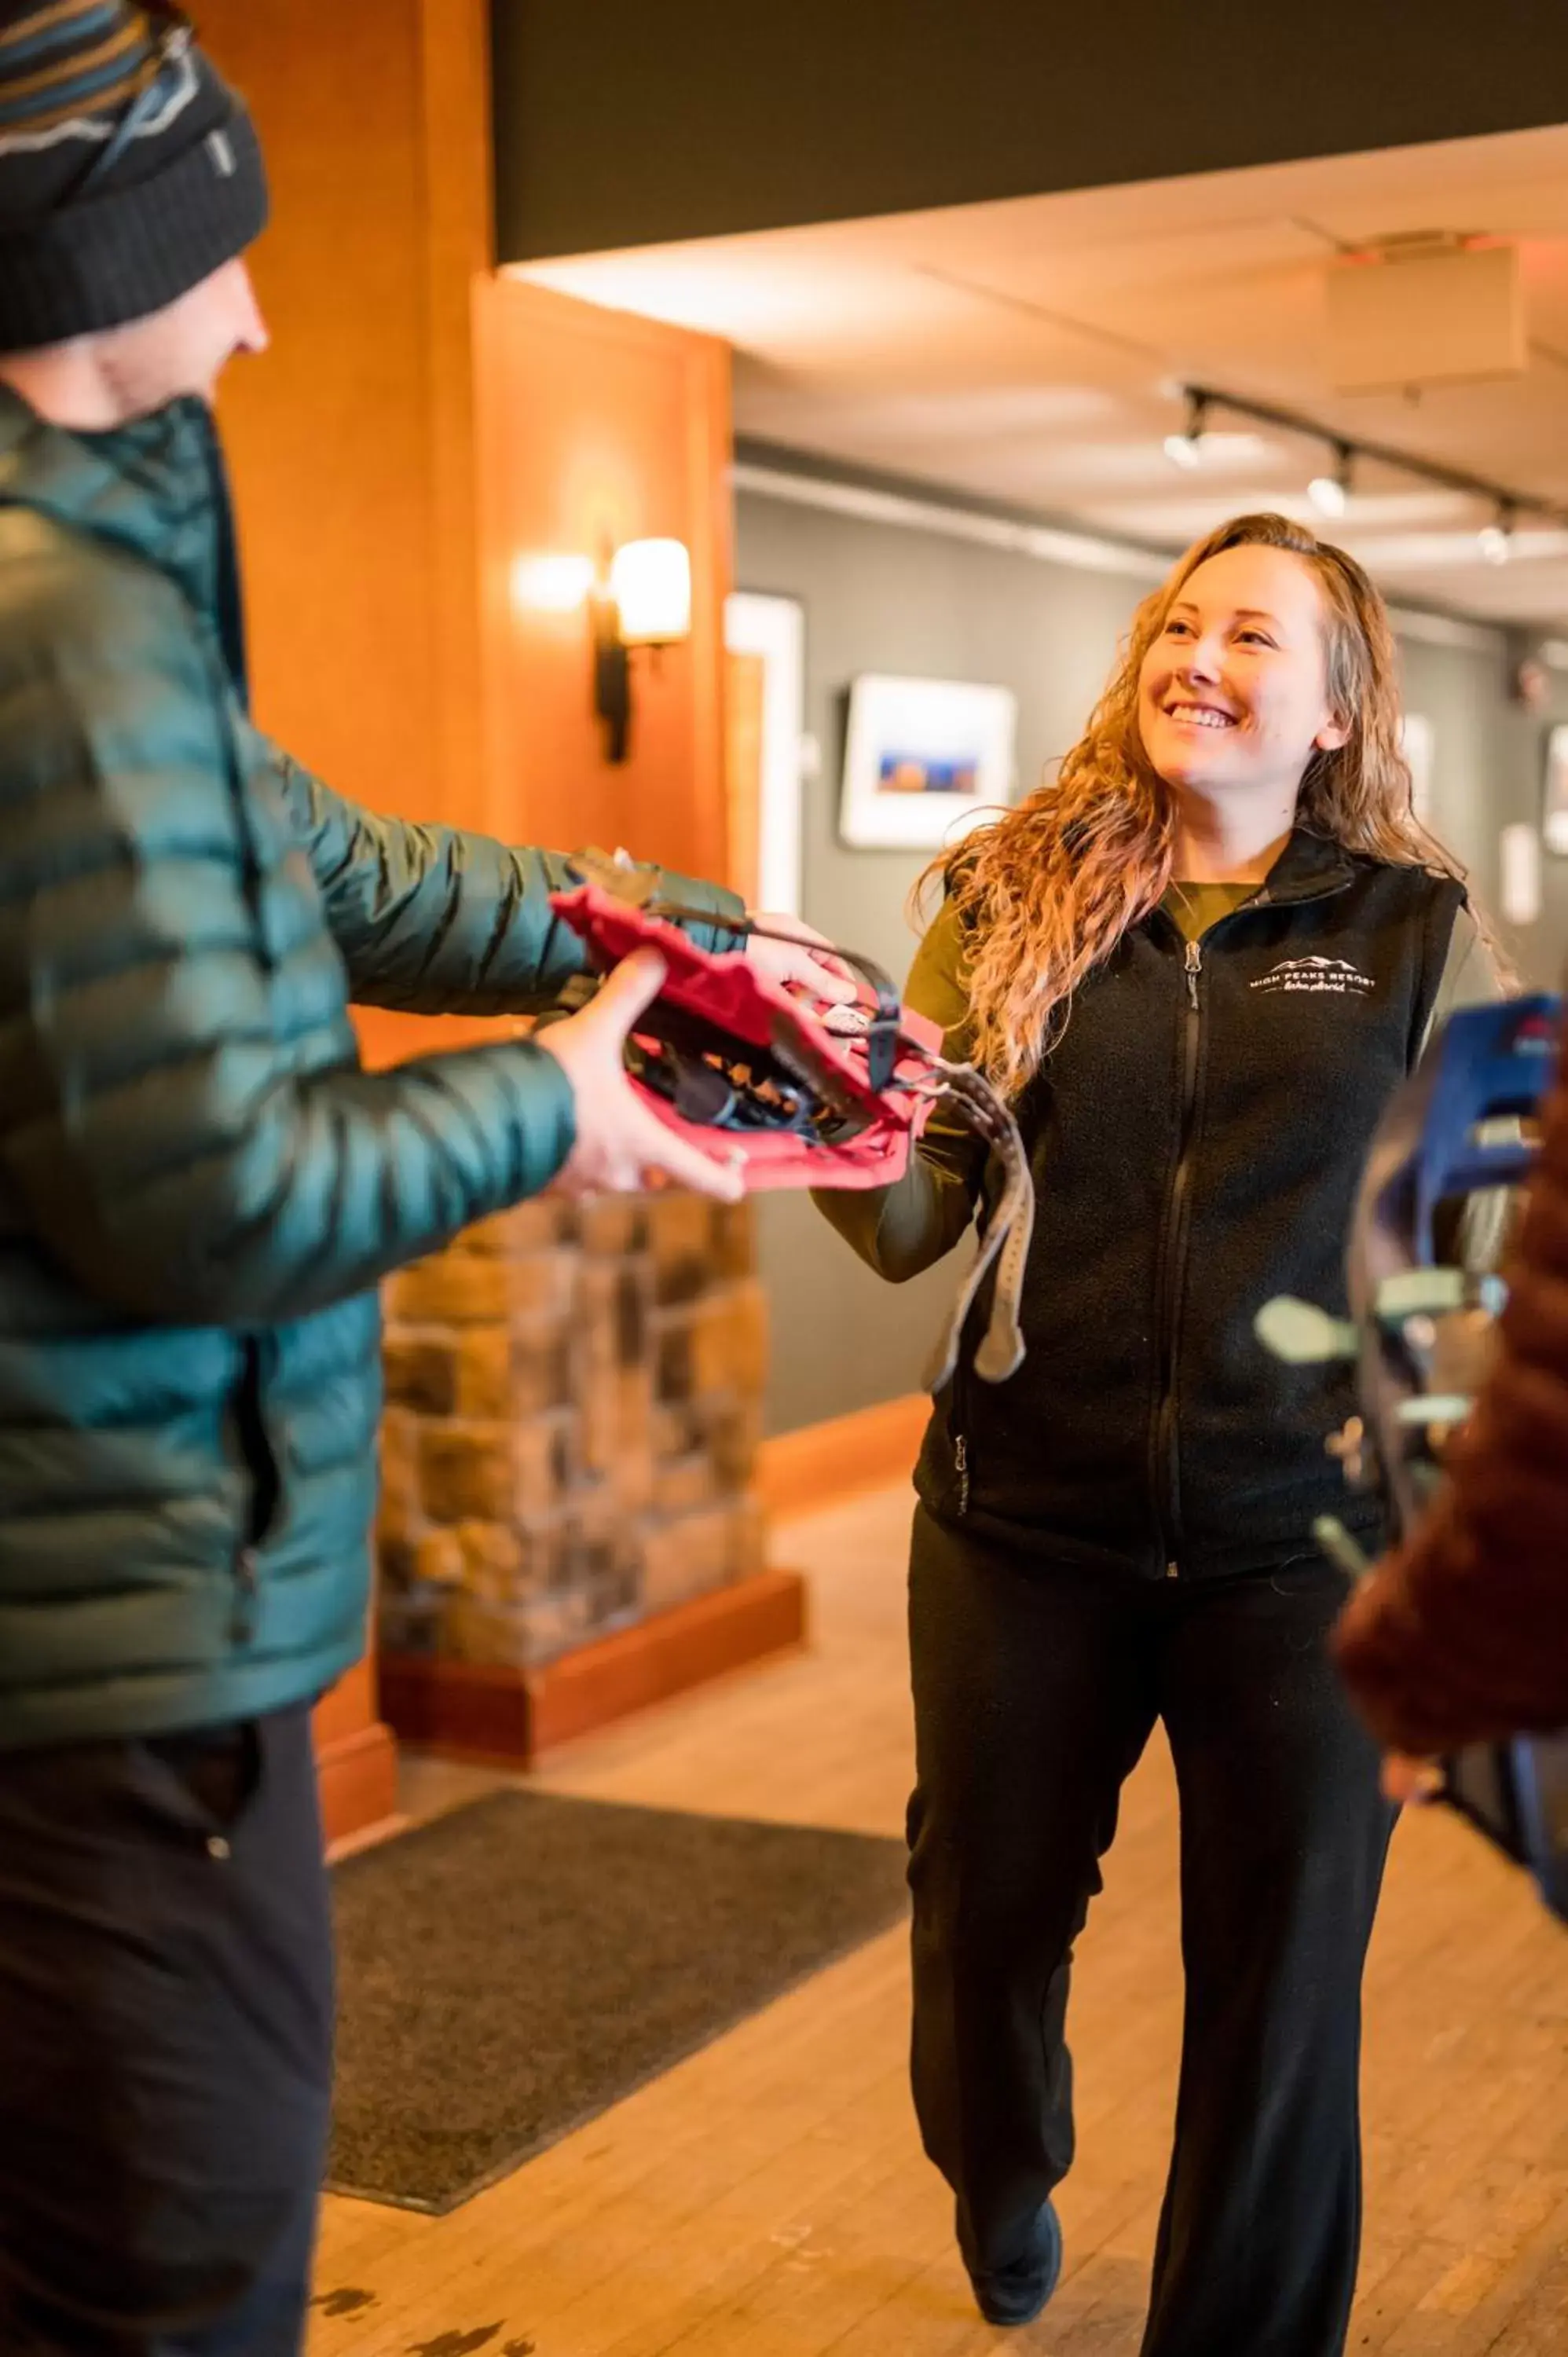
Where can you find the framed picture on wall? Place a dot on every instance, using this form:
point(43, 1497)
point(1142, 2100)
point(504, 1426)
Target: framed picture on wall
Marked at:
point(765, 746)
point(1416, 745)
point(1554, 793)
point(1519, 868)
point(924, 759)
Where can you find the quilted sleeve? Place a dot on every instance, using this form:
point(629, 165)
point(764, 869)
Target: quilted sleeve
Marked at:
point(150, 1128)
point(433, 920)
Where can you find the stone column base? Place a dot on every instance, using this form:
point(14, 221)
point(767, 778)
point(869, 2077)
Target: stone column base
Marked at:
point(506, 1716)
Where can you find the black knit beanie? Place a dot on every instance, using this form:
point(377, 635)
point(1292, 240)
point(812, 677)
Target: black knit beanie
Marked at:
point(129, 171)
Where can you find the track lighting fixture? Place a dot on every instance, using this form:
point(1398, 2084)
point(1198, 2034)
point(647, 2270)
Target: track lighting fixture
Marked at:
point(1497, 537)
point(1185, 449)
point(1330, 492)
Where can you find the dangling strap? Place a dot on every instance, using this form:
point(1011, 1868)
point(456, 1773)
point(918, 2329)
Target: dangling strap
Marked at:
point(1005, 1244)
point(878, 1028)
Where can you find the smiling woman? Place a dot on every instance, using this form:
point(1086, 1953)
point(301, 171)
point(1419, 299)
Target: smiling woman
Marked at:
point(1227, 892)
point(1253, 677)
point(1258, 691)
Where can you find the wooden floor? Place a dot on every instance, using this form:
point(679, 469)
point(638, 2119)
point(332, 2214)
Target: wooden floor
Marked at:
point(768, 2198)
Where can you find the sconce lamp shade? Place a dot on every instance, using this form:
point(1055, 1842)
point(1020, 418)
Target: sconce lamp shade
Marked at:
point(641, 597)
point(650, 581)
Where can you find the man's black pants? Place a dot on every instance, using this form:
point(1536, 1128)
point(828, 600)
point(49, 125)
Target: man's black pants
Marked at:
point(1036, 1689)
point(166, 2022)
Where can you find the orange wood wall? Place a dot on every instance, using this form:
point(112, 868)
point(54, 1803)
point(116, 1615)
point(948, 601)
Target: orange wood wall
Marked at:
point(417, 423)
point(332, 435)
point(594, 426)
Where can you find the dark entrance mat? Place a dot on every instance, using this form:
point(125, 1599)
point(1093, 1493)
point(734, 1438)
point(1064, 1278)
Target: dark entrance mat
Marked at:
point(509, 1971)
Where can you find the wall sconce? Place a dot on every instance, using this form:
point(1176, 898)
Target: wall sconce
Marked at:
point(638, 597)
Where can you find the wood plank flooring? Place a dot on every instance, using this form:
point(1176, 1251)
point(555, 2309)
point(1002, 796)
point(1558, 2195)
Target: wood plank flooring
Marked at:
point(768, 2197)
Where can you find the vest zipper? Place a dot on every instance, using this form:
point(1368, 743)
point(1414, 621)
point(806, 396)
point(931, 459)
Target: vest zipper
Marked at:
point(1165, 1486)
point(960, 1466)
point(1173, 1272)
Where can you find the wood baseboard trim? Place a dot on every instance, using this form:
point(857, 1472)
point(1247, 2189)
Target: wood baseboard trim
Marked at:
point(475, 1711)
point(367, 1837)
point(798, 1472)
point(357, 1775)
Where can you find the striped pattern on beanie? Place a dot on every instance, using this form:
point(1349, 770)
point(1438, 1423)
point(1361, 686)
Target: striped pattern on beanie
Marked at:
point(68, 61)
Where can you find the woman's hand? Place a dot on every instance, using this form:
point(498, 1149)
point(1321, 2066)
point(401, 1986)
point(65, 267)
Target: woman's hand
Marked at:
point(791, 960)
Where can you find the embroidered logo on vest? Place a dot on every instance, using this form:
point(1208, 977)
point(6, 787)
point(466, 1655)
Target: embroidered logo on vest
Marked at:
point(1317, 974)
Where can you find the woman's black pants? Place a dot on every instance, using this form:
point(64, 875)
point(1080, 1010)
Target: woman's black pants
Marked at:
point(1036, 1686)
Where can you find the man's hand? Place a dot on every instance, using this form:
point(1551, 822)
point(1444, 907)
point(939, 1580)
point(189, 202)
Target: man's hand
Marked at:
point(622, 1147)
point(791, 960)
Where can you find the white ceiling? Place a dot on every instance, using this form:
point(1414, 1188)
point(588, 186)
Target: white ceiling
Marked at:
point(1030, 351)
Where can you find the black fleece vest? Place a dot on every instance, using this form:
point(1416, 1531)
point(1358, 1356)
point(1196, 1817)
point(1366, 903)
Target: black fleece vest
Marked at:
point(1197, 1137)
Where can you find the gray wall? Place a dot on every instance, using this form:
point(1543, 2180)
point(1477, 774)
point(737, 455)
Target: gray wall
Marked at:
point(1490, 756)
point(625, 124)
point(881, 598)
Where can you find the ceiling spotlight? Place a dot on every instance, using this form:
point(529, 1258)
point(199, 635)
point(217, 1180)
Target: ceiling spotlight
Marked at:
point(1497, 539)
point(1185, 449)
point(1330, 494)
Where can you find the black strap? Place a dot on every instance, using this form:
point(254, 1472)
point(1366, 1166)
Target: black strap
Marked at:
point(1006, 1244)
point(881, 1029)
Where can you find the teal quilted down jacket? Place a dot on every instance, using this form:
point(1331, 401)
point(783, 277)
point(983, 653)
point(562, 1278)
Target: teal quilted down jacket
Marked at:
point(199, 1187)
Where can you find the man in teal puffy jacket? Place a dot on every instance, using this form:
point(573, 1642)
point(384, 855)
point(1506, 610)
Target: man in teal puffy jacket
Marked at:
point(199, 1189)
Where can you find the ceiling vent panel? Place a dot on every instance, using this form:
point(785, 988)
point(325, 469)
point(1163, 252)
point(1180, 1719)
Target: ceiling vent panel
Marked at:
point(1425, 312)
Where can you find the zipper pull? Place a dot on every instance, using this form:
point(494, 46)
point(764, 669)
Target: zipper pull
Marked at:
point(1194, 967)
point(960, 1466)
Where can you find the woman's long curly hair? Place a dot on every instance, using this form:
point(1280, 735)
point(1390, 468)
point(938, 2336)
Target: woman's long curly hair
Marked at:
point(1047, 890)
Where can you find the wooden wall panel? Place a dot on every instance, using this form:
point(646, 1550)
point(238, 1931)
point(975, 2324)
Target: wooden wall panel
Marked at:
point(330, 434)
point(745, 690)
point(593, 425)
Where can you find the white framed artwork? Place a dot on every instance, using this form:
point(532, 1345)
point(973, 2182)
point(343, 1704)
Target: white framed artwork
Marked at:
point(924, 760)
point(1519, 868)
point(1554, 793)
point(1416, 745)
point(770, 633)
